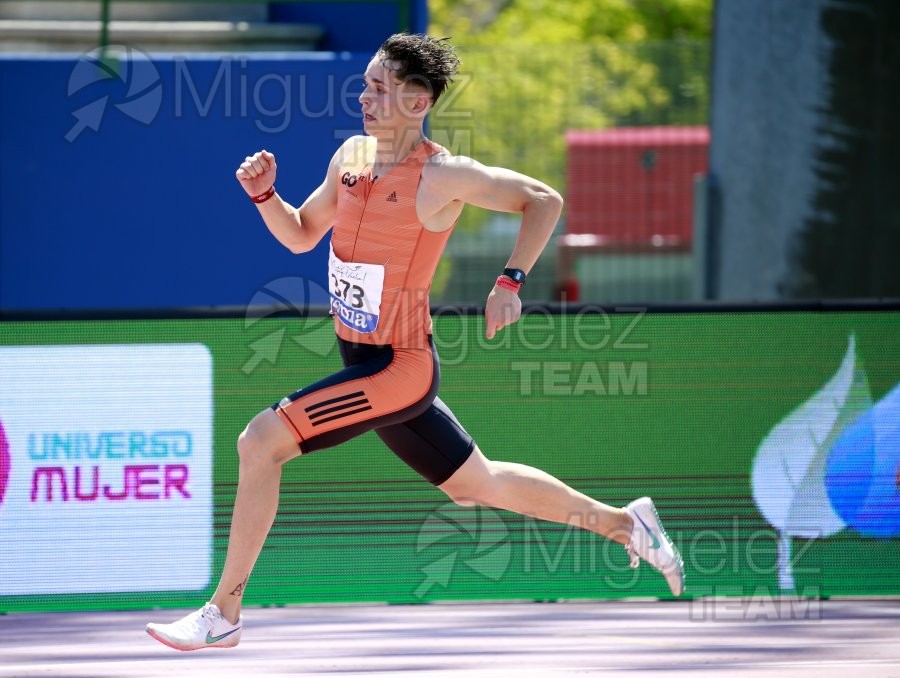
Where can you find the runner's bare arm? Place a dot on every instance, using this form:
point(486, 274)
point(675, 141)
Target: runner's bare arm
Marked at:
point(298, 229)
point(502, 190)
point(495, 188)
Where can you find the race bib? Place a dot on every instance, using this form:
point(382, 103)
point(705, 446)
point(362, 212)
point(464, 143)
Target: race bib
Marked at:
point(355, 291)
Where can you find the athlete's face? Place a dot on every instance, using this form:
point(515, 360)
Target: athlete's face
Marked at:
point(389, 103)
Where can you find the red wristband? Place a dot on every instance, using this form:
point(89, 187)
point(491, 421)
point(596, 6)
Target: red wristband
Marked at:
point(262, 197)
point(508, 284)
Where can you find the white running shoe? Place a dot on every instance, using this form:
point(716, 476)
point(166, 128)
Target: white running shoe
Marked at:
point(650, 542)
point(204, 628)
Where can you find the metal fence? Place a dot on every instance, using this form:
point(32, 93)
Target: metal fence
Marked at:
point(513, 107)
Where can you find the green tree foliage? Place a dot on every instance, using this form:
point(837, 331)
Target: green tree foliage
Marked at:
point(534, 68)
point(538, 22)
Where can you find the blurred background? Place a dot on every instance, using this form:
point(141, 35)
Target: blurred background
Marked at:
point(736, 151)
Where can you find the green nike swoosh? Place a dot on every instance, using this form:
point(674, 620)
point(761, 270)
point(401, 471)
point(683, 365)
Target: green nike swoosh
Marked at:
point(654, 544)
point(215, 639)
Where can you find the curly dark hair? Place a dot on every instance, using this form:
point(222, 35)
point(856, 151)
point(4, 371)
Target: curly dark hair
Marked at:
point(430, 61)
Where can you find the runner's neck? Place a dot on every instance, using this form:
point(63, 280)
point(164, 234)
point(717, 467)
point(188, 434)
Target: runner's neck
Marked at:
point(386, 157)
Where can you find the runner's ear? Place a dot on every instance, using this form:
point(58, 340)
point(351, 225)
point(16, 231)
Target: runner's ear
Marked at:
point(422, 103)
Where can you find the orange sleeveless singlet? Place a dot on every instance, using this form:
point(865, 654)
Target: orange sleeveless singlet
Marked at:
point(376, 226)
point(376, 223)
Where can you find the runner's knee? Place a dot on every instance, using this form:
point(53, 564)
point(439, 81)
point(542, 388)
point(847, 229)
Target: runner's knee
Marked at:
point(250, 446)
point(472, 485)
point(265, 440)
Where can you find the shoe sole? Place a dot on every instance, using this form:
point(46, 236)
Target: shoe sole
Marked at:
point(167, 643)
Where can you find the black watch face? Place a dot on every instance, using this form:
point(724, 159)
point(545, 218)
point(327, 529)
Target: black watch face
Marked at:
point(516, 274)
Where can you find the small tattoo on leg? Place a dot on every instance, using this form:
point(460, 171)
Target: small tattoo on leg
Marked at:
point(239, 589)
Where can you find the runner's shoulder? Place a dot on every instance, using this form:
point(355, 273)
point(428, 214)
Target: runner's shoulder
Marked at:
point(443, 165)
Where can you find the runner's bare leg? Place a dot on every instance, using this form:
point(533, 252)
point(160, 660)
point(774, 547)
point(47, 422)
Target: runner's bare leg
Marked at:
point(532, 492)
point(264, 446)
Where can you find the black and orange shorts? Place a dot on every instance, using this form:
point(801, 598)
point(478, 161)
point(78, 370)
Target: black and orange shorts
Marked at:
point(391, 391)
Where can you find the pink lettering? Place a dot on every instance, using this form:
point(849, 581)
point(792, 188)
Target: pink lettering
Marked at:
point(140, 480)
point(79, 494)
point(176, 476)
point(49, 473)
point(117, 496)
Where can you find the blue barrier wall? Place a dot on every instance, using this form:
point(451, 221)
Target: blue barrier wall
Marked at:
point(144, 211)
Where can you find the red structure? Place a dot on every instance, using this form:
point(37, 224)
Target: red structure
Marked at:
point(630, 190)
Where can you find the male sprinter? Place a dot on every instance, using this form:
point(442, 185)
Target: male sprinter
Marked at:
point(392, 198)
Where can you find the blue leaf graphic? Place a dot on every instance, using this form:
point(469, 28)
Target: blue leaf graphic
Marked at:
point(863, 470)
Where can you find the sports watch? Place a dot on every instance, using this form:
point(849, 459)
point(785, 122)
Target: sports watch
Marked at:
point(517, 275)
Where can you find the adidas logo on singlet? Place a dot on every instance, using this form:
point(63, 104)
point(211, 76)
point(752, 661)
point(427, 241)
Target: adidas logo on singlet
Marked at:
point(392, 197)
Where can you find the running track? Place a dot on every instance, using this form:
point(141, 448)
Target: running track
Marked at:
point(830, 639)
